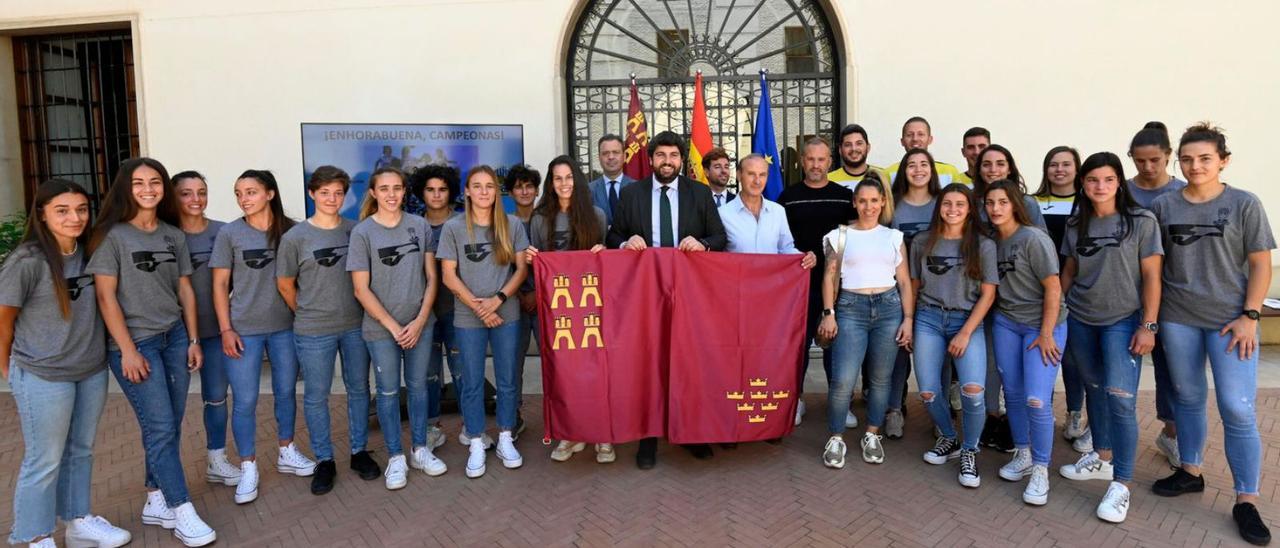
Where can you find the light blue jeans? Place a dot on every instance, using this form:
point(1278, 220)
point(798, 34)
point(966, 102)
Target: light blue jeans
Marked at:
point(213, 391)
point(934, 329)
point(866, 326)
point(316, 355)
point(473, 341)
point(1028, 385)
point(389, 361)
point(245, 375)
point(59, 423)
point(1235, 382)
point(1110, 374)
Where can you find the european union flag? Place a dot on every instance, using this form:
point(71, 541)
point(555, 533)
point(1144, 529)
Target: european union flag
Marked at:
point(764, 143)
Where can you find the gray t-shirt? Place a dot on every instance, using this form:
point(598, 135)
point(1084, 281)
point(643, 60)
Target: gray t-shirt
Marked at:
point(1025, 259)
point(393, 257)
point(317, 257)
point(943, 281)
point(1207, 247)
point(1146, 197)
point(560, 239)
point(476, 266)
point(1107, 286)
point(146, 266)
point(200, 246)
point(912, 219)
point(444, 298)
point(45, 344)
point(256, 305)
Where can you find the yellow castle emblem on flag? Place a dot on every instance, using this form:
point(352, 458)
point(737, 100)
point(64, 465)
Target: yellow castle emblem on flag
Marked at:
point(590, 335)
point(762, 400)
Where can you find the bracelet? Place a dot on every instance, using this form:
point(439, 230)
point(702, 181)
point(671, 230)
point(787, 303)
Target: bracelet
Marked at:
point(501, 296)
point(226, 330)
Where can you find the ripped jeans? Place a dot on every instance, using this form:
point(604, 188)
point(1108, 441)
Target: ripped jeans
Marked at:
point(1028, 384)
point(1110, 374)
point(934, 329)
point(390, 361)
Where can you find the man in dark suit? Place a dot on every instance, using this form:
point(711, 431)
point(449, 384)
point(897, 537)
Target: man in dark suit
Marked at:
point(716, 164)
point(667, 211)
point(606, 190)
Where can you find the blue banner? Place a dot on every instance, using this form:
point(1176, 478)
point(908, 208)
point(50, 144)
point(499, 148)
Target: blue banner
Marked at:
point(763, 142)
point(359, 149)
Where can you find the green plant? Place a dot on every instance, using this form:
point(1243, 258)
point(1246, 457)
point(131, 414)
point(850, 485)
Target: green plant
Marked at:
point(11, 229)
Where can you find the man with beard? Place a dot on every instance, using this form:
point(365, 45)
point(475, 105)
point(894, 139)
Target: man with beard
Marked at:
point(917, 133)
point(975, 140)
point(855, 146)
point(716, 165)
point(669, 210)
point(606, 190)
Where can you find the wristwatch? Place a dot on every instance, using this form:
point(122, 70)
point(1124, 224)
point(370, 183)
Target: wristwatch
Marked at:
point(501, 296)
point(1151, 326)
point(193, 341)
point(1252, 314)
point(828, 312)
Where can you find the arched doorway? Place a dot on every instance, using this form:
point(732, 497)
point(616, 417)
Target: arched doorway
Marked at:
point(664, 42)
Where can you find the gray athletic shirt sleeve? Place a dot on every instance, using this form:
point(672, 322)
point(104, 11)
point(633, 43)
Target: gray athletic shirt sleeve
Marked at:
point(317, 258)
point(393, 257)
point(200, 247)
point(1207, 247)
point(1107, 286)
point(146, 266)
point(256, 305)
point(45, 344)
point(476, 266)
point(1025, 259)
point(943, 281)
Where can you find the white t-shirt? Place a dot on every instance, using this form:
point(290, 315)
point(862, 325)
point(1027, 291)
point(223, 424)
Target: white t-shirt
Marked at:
point(871, 257)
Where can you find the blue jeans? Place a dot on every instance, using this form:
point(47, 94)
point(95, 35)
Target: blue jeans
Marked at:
point(59, 422)
point(1110, 374)
point(934, 329)
point(389, 361)
point(898, 382)
point(472, 342)
point(1028, 384)
point(316, 355)
point(442, 348)
point(1166, 395)
point(159, 402)
point(1073, 383)
point(866, 326)
point(1236, 383)
point(245, 374)
point(213, 391)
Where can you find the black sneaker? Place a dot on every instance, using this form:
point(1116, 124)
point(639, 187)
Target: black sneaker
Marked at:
point(364, 465)
point(322, 481)
point(943, 450)
point(1250, 524)
point(1181, 482)
point(969, 476)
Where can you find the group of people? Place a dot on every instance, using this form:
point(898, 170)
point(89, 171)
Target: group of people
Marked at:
point(981, 289)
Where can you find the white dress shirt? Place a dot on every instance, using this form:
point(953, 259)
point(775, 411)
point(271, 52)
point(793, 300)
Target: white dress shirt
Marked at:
point(747, 234)
point(673, 196)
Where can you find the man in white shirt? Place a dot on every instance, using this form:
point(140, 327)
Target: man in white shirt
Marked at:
point(754, 224)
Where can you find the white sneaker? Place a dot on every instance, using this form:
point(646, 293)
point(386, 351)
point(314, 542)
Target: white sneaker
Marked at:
point(1084, 443)
point(1037, 491)
point(833, 453)
point(397, 474)
point(1019, 467)
point(893, 423)
point(247, 489)
point(565, 449)
point(1075, 426)
point(435, 436)
point(46, 542)
point(190, 529)
point(96, 531)
point(292, 461)
point(1089, 467)
point(220, 470)
point(1169, 448)
point(850, 420)
point(872, 450)
point(799, 411)
point(475, 459)
point(506, 451)
point(605, 453)
point(157, 512)
point(1115, 504)
point(463, 439)
point(425, 460)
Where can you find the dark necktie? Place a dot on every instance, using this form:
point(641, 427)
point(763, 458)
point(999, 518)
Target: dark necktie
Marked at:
point(613, 198)
point(664, 215)
point(718, 197)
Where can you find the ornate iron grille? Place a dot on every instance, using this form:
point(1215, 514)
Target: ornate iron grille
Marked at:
point(663, 42)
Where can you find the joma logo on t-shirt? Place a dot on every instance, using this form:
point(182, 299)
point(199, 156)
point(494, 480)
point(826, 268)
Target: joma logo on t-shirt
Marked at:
point(329, 256)
point(911, 229)
point(199, 259)
point(76, 285)
point(149, 261)
point(940, 265)
point(1090, 246)
point(258, 259)
point(477, 252)
point(1191, 233)
point(392, 255)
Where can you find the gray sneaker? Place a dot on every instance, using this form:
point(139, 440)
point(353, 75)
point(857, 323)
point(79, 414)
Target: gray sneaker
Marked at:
point(833, 453)
point(872, 450)
point(435, 436)
point(893, 424)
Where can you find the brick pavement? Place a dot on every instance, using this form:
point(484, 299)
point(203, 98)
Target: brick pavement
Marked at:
point(756, 495)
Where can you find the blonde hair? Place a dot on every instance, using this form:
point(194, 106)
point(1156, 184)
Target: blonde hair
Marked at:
point(503, 248)
point(370, 204)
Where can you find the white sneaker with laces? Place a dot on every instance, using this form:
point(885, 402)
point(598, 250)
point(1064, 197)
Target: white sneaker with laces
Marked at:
point(1075, 426)
point(220, 470)
point(1089, 467)
point(565, 449)
point(1037, 491)
point(157, 512)
point(190, 529)
point(605, 453)
point(1115, 504)
point(506, 450)
point(397, 474)
point(463, 439)
point(475, 459)
point(96, 531)
point(425, 460)
point(893, 423)
point(872, 449)
point(247, 489)
point(46, 542)
point(833, 453)
point(850, 420)
point(1018, 467)
point(435, 436)
point(1084, 443)
point(799, 411)
point(1169, 448)
point(292, 461)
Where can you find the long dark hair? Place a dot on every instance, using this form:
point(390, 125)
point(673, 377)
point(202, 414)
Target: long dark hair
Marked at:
point(279, 223)
point(980, 184)
point(1045, 186)
point(1014, 191)
point(38, 239)
point(119, 207)
point(1153, 134)
point(1125, 204)
point(971, 239)
point(584, 226)
point(900, 184)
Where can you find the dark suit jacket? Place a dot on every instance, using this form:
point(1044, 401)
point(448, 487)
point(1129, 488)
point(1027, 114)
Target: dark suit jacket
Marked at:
point(600, 194)
point(698, 216)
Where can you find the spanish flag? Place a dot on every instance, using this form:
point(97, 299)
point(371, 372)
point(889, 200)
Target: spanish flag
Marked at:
point(700, 141)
